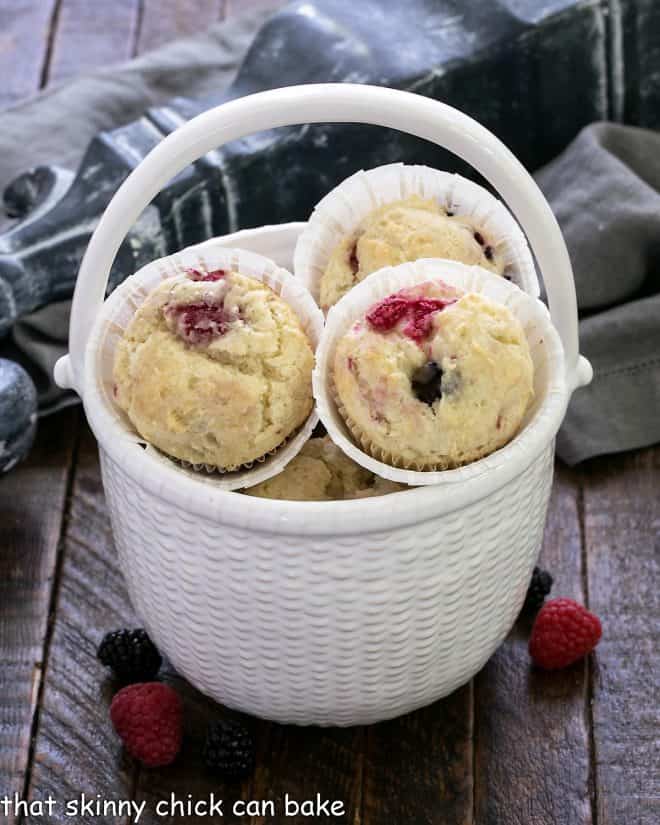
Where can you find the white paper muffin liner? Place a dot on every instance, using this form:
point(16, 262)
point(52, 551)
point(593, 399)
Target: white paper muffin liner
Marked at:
point(543, 339)
point(122, 304)
point(340, 212)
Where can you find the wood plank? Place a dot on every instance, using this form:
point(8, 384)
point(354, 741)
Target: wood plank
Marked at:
point(32, 500)
point(165, 21)
point(92, 35)
point(24, 32)
point(622, 534)
point(39, 486)
point(532, 751)
point(75, 749)
point(302, 762)
point(296, 761)
point(419, 769)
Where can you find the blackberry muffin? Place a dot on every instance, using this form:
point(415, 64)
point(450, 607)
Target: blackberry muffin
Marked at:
point(322, 472)
point(433, 378)
point(214, 369)
point(402, 231)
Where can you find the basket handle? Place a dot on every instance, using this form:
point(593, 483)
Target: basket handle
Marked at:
point(328, 103)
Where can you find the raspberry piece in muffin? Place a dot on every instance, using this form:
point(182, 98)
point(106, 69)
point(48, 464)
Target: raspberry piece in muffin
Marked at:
point(214, 368)
point(433, 378)
point(198, 275)
point(198, 322)
point(417, 311)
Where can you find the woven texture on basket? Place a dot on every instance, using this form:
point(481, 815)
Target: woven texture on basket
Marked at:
point(329, 630)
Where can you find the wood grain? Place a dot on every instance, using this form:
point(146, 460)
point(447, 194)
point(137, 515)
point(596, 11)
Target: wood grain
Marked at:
point(300, 762)
point(24, 47)
point(89, 36)
point(177, 18)
point(188, 779)
point(32, 499)
point(304, 762)
point(532, 735)
point(75, 748)
point(418, 769)
point(622, 533)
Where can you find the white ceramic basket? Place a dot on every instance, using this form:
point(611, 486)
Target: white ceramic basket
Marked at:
point(325, 612)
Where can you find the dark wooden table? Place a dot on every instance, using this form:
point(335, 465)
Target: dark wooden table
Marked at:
point(579, 747)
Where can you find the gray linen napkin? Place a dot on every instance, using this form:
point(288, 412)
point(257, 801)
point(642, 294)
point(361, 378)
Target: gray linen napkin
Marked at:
point(605, 191)
point(62, 121)
point(604, 188)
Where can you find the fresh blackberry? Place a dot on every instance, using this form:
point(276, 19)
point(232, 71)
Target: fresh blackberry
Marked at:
point(229, 750)
point(130, 654)
point(539, 587)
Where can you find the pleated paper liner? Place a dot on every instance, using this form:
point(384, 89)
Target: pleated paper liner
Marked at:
point(389, 458)
point(338, 215)
point(206, 257)
point(544, 344)
point(212, 469)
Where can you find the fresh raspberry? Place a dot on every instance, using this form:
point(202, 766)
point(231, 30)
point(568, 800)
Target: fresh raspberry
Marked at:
point(563, 632)
point(149, 719)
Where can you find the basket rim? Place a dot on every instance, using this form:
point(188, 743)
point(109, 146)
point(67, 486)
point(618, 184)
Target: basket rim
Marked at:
point(198, 496)
point(376, 514)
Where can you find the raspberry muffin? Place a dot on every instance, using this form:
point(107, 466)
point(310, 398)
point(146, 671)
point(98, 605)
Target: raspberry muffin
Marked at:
point(402, 231)
point(432, 377)
point(214, 369)
point(322, 472)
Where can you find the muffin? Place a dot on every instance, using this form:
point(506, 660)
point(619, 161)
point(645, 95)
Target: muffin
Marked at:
point(322, 472)
point(402, 231)
point(433, 377)
point(214, 369)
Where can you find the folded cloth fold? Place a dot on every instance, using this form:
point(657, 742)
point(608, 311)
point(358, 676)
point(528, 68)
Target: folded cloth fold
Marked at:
point(56, 127)
point(620, 409)
point(605, 191)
